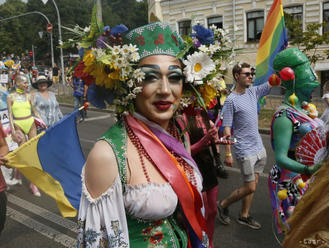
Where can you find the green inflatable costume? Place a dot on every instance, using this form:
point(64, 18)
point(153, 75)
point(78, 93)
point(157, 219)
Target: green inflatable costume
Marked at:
point(290, 123)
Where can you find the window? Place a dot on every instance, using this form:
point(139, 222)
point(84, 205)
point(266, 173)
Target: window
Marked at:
point(184, 27)
point(255, 25)
point(294, 20)
point(326, 17)
point(217, 21)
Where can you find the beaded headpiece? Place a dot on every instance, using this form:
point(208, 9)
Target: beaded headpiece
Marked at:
point(155, 39)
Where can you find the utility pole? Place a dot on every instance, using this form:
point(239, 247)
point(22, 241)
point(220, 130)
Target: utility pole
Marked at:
point(99, 10)
point(60, 38)
point(33, 56)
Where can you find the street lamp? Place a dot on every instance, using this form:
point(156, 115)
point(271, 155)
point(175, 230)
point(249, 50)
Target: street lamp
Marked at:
point(60, 38)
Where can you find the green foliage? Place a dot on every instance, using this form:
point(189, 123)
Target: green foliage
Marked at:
point(18, 35)
point(307, 41)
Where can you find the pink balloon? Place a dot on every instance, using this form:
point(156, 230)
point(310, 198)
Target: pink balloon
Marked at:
point(287, 74)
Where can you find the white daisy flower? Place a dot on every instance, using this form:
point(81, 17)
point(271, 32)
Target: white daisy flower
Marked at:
point(185, 102)
point(116, 50)
point(139, 75)
point(125, 50)
point(118, 62)
point(198, 66)
point(130, 83)
point(203, 49)
point(134, 57)
point(137, 90)
point(133, 48)
point(212, 49)
point(130, 96)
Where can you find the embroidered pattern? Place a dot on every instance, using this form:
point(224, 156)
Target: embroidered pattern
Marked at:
point(90, 238)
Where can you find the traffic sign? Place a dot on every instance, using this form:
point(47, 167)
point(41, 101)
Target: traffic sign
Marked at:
point(49, 28)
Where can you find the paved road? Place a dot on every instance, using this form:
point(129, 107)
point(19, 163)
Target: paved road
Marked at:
point(36, 222)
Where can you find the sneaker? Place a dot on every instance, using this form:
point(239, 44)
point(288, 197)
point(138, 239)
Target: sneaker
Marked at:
point(249, 221)
point(223, 216)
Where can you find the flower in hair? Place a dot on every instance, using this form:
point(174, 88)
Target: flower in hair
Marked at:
point(197, 66)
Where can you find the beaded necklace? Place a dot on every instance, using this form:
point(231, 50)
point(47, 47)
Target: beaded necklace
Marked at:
point(189, 172)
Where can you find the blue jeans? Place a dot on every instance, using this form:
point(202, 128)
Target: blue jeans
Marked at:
point(78, 102)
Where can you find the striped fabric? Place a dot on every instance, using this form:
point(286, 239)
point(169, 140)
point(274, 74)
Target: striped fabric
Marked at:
point(273, 40)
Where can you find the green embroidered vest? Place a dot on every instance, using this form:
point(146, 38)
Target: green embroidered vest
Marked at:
point(143, 233)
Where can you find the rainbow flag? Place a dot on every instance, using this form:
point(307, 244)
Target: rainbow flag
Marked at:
point(273, 40)
point(53, 161)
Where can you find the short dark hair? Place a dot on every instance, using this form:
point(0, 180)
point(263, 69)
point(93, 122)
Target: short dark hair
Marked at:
point(238, 68)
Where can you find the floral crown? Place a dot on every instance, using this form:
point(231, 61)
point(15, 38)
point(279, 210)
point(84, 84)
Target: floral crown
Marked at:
point(109, 66)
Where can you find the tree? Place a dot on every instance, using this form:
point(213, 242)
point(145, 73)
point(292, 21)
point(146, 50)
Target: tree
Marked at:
point(308, 41)
point(19, 34)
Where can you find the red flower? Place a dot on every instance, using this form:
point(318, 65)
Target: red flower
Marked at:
point(147, 231)
point(212, 103)
point(85, 77)
point(140, 40)
point(156, 238)
point(160, 40)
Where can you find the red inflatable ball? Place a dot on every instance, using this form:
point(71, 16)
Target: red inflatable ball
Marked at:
point(274, 80)
point(287, 74)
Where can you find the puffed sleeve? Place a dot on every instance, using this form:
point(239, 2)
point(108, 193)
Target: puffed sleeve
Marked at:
point(102, 221)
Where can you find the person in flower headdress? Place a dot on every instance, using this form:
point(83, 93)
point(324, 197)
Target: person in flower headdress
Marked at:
point(141, 187)
point(291, 122)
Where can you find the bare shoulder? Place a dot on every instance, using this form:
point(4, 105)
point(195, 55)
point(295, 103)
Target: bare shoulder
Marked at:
point(10, 96)
point(101, 169)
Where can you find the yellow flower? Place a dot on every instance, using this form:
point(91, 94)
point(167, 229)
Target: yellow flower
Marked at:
point(88, 58)
point(208, 93)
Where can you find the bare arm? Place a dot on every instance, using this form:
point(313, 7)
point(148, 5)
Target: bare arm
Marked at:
point(101, 169)
point(10, 113)
point(34, 110)
point(228, 154)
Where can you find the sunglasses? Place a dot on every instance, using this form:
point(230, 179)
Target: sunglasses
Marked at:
point(248, 74)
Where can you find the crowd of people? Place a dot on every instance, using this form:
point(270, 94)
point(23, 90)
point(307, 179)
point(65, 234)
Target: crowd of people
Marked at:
point(152, 178)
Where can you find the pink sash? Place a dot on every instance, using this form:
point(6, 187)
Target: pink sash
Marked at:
point(188, 195)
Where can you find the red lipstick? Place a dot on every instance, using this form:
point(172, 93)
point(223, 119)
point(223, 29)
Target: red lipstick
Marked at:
point(162, 105)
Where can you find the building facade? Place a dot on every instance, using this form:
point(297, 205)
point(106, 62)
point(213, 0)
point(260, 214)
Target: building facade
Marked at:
point(244, 19)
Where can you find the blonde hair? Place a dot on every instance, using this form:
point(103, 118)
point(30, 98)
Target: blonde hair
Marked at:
point(326, 87)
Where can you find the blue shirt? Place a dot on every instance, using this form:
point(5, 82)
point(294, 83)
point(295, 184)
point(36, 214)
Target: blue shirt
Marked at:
point(240, 110)
point(78, 86)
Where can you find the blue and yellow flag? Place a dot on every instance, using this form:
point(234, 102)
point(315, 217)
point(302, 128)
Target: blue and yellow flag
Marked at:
point(53, 161)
